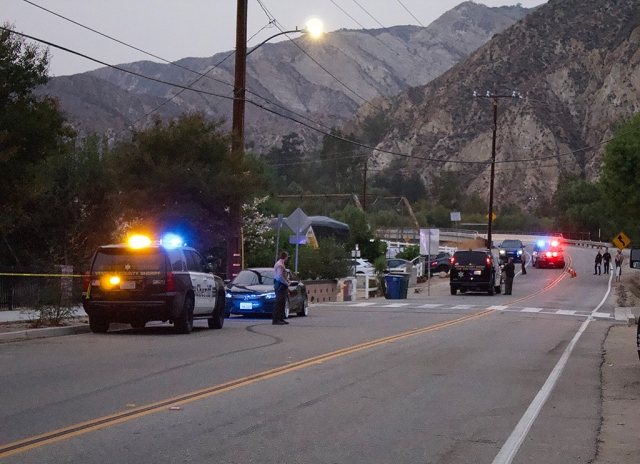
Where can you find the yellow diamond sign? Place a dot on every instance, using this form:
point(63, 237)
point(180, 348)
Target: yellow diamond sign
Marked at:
point(621, 240)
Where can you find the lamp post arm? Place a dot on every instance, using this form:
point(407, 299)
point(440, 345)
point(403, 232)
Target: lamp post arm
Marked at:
point(304, 31)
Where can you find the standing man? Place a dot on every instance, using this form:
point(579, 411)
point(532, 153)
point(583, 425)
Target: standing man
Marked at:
point(619, 260)
point(510, 272)
point(523, 260)
point(606, 259)
point(281, 286)
point(597, 269)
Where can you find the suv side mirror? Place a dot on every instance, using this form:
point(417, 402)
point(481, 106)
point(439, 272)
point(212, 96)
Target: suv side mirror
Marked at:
point(293, 283)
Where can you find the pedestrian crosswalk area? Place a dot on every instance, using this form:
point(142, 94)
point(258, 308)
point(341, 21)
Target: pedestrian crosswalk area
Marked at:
point(379, 305)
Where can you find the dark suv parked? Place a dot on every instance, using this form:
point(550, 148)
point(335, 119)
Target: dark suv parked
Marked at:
point(151, 281)
point(475, 270)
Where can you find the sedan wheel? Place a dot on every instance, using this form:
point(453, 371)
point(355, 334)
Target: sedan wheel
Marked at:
point(305, 308)
point(286, 308)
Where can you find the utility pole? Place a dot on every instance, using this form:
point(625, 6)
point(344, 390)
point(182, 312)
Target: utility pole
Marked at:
point(364, 188)
point(495, 98)
point(234, 251)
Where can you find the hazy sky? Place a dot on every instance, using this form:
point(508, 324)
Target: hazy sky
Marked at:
point(174, 29)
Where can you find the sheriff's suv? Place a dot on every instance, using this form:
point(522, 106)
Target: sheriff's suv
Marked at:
point(475, 270)
point(146, 281)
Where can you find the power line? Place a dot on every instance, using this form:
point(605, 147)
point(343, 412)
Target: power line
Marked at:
point(412, 15)
point(359, 144)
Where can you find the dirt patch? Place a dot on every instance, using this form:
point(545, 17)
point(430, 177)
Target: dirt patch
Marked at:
point(19, 326)
point(467, 244)
point(628, 291)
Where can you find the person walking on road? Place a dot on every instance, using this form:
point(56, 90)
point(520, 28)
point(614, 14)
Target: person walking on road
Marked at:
point(510, 272)
point(606, 259)
point(597, 269)
point(281, 287)
point(619, 260)
point(523, 260)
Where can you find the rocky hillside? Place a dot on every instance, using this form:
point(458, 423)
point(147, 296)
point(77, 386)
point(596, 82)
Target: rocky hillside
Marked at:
point(575, 63)
point(287, 77)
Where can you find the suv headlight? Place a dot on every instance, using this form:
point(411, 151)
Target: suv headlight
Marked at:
point(227, 295)
point(270, 296)
point(502, 252)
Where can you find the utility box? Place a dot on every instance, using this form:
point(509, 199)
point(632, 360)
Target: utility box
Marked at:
point(634, 260)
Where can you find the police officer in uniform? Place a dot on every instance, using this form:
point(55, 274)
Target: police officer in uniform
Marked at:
point(510, 272)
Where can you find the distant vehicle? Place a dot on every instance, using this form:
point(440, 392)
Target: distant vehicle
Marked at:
point(440, 263)
point(144, 281)
point(364, 267)
point(475, 270)
point(251, 292)
point(513, 249)
point(548, 253)
point(397, 265)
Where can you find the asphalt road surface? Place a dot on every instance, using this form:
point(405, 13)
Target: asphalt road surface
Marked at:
point(432, 379)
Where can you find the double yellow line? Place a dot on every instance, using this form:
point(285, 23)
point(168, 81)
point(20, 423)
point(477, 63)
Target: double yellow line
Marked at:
point(106, 421)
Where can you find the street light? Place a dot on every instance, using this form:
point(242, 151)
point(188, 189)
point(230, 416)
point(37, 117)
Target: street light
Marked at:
point(234, 240)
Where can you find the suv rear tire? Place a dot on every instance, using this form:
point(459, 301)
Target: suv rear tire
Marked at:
point(184, 323)
point(98, 324)
point(454, 290)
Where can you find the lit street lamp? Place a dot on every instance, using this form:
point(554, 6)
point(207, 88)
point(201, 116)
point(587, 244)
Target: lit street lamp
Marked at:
point(234, 236)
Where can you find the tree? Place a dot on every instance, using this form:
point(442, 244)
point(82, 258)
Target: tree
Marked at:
point(31, 130)
point(181, 176)
point(342, 163)
point(329, 261)
point(398, 183)
point(579, 204)
point(73, 215)
point(287, 160)
point(361, 234)
point(620, 179)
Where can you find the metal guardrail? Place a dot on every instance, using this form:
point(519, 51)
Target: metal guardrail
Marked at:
point(588, 243)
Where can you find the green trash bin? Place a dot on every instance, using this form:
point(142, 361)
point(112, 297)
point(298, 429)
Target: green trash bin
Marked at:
point(404, 286)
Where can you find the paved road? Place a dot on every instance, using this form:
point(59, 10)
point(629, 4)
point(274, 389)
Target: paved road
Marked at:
point(466, 378)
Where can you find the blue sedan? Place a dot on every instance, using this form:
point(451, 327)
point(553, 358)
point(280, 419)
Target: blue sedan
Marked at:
point(251, 293)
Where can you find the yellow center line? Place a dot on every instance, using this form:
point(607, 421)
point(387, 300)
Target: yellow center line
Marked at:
point(123, 416)
point(548, 287)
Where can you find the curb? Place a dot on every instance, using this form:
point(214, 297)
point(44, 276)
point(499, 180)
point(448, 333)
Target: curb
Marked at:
point(47, 332)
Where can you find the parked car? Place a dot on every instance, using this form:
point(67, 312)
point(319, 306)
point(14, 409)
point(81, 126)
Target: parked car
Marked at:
point(548, 253)
point(513, 249)
point(397, 265)
point(475, 270)
point(364, 267)
point(251, 292)
point(439, 263)
point(144, 281)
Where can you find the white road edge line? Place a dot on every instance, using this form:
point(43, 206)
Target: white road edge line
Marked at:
point(513, 443)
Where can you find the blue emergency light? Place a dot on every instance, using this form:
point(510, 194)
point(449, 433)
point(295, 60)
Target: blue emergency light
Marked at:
point(172, 241)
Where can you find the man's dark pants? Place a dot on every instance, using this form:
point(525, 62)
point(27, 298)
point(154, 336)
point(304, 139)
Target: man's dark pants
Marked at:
point(508, 285)
point(278, 307)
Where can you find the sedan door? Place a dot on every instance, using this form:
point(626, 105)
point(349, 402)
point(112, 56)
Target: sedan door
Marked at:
point(295, 291)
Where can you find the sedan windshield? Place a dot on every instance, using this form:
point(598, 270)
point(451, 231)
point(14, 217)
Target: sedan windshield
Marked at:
point(512, 244)
point(252, 277)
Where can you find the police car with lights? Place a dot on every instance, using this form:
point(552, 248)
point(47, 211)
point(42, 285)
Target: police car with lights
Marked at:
point(548, 253)
point(144, 281)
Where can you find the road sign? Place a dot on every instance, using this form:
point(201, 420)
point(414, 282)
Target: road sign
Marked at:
point(621, 240)
point(455, 216)
point(493, 216)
